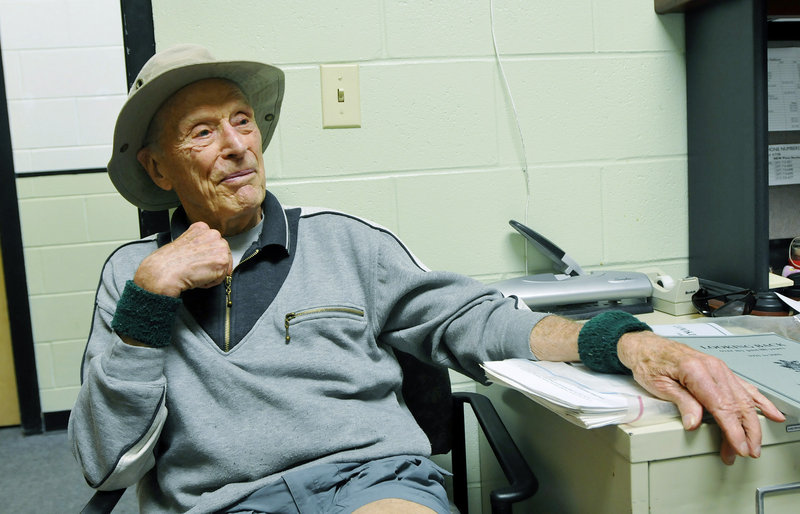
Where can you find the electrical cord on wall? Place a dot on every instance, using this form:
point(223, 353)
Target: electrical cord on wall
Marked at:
point(507, 89)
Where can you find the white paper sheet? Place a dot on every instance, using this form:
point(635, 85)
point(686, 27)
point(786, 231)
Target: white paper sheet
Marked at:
point(783, 164)
point(783, 88)
point(581, 396)
point(690, 329)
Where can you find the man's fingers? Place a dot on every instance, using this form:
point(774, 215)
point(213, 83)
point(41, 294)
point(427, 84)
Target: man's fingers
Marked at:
point(693, 381)
point(741, 431)
point(727, 453)
point(200, 257)
point(731, 401)
point(767, 408)
point(691, 410)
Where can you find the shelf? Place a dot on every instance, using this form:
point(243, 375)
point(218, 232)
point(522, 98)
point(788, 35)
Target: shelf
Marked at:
point(783, 9)
point(673, 6)
point(775, 8)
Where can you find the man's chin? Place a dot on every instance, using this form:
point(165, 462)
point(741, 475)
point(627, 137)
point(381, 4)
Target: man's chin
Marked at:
point(250, 195)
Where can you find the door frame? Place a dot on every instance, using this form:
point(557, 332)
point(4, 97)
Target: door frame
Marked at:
point(19, 316)
point(139, 42)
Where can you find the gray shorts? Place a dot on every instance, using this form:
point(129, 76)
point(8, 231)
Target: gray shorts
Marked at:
point(344, 487)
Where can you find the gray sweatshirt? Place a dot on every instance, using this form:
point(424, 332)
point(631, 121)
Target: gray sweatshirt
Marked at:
point(310, 378)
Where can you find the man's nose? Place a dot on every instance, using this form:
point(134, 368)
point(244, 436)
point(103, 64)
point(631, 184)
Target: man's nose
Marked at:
point(233, 143)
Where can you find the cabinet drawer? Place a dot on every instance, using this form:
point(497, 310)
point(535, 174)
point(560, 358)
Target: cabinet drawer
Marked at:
point(703, 484)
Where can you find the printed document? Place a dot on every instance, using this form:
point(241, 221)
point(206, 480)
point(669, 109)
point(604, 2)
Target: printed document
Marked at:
point(783, 88)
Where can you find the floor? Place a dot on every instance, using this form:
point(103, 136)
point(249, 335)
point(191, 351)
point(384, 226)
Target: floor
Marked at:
point(39, 474)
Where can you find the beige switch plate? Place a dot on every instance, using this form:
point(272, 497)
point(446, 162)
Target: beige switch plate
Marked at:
point(341, 98)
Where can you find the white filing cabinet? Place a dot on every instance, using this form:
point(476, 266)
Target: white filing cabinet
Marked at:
point(652, 469)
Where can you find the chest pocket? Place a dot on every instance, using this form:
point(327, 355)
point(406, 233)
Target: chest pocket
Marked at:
point(330, 322)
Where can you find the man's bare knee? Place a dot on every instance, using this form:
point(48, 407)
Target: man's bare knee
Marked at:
point(393, 505)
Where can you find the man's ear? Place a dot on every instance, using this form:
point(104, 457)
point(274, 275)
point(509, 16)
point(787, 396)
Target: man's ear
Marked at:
point(147, 158)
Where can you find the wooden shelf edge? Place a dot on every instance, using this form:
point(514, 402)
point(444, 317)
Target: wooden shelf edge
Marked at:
point(775, 8)
point(675, 6)
point(783, 9)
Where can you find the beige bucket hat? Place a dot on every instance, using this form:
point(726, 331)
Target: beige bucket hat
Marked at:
point(162, 76)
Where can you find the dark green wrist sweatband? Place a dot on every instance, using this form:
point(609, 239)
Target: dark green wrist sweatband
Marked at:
point(597, 340)
point(144, 316)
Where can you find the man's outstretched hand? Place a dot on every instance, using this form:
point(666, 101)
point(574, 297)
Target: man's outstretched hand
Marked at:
point(693, 381)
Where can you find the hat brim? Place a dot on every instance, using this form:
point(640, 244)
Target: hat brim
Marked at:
point(261, 83)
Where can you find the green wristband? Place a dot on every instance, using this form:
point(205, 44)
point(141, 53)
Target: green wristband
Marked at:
point(144, 316)
point(597, 340)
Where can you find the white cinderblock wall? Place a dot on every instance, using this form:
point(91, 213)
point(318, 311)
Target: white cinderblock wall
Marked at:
point(65, 81)
point(598, 86)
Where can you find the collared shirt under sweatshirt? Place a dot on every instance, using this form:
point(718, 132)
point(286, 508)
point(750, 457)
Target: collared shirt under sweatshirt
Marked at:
point(289, 364)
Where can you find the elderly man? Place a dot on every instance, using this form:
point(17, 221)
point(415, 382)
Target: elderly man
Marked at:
point(244, 361)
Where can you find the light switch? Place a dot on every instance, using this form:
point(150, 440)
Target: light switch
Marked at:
point(341, 99)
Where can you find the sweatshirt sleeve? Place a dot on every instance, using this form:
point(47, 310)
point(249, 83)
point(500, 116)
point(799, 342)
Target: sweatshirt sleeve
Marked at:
point(120, 410)
point(447, 318)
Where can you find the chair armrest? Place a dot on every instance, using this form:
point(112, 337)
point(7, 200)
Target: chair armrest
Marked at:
point(522, 482)
point(103, 502)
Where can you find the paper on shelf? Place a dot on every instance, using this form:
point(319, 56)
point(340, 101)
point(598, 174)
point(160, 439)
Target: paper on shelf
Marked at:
point(579, 395)
point(690, 329)
point(590, 399)
point(794, 304)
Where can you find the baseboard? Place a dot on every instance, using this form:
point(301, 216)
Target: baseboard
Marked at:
point(55, 420)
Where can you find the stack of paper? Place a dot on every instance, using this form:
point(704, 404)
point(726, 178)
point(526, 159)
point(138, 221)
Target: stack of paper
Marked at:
point(579, 395)
point(587, 398)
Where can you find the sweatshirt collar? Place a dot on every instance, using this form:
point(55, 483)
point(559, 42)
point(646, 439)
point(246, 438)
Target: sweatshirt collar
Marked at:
point(274, 237)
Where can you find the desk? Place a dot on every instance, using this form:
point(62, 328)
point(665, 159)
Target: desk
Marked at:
point(652, 469)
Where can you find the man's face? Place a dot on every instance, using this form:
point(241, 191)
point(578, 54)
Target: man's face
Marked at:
point(209, 152)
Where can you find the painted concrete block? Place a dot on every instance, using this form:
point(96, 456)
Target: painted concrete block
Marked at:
point(49, 186)
point(52, 221)
point(633, 26)
point(291, 32)
point(373, 198)
point(79, 158)
point(59, 399)
point(645, 214)
point(459, 221)
point(96, 119)
point(74, 268)
point(579, 109)
point(441, 29)
point(73, 72)
point(67, 357)
point(524, 27)
point(60, 23)
point(111, 218)
point(61, 317)
point(414, 117)
point(43, 123)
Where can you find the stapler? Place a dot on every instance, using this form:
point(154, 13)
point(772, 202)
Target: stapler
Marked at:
point(572, 292)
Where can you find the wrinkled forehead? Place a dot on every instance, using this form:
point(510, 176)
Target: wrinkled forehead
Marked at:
point(206, 93)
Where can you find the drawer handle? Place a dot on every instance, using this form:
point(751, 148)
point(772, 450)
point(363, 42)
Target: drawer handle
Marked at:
point(763, 491)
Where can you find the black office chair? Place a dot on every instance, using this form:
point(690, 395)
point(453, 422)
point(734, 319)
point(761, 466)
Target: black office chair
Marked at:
point(440, 413)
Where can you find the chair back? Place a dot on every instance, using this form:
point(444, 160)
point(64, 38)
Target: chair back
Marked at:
point(427, 393)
